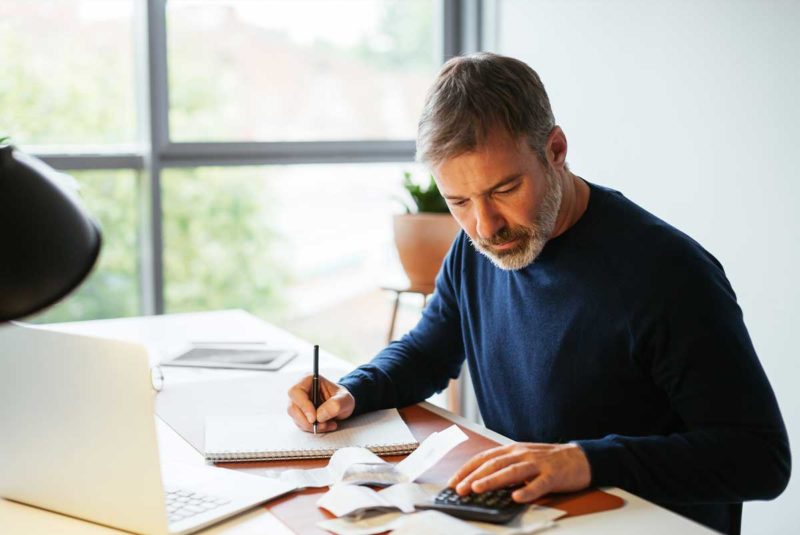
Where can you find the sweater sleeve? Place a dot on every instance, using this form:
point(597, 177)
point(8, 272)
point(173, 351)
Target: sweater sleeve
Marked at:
point(421, 363)
point(732, 445)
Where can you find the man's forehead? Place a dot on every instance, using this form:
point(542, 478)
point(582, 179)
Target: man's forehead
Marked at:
point(495, 144)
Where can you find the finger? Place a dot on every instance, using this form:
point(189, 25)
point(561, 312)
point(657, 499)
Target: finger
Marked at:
point(327, 427)
point(330, 409)
point(299, 397)
point(533, 490)
point(301, 422)
point(346, 401)
point(513, 474)
point(303, 384)
point(475, 462)
point(328, 388)
point(489, 467)
point(299, 418)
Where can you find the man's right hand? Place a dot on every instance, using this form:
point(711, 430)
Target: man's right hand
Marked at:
point(337, 404)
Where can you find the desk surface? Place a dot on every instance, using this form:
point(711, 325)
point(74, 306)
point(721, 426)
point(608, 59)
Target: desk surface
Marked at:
point(163, 335)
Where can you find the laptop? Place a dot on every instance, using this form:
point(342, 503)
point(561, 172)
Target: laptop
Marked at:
point(79, 438)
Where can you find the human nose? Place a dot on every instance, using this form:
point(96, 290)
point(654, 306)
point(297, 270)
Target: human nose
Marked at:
point(488, 221)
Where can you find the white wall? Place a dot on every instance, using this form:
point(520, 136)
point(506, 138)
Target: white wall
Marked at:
point(690, 108)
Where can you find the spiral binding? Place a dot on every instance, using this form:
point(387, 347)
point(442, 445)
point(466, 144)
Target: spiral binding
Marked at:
point(323, 453)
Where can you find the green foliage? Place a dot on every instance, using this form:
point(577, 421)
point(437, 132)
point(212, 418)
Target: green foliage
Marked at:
point(404, 38)
point(425, 199)
point(196, 88)
point(62, 88)
point(220, 250)
point(5, 139)
point(112, 289)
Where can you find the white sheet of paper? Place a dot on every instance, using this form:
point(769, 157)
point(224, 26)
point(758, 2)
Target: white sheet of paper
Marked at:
point(405, 495)
point(433, 523)
point(367, 525)
point(430, 452)
point(275, 436)
point(380, 475)
point(333, 472)
point(302, 479)
point(342, 500)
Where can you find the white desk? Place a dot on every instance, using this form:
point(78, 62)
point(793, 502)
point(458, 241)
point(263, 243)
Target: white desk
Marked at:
point(164, 334)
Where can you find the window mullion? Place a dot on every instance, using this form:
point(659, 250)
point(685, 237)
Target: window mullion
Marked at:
point(154, 129)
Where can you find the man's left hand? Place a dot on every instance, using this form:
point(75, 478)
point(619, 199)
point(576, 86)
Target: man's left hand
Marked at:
point(542, 468)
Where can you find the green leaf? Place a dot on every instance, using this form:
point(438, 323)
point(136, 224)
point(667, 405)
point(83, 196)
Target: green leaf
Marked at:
point(426, 200)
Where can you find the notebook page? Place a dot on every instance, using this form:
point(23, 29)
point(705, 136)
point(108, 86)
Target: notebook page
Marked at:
point(276, 432)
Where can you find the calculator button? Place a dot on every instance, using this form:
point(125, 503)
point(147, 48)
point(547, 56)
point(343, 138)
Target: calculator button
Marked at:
point(493, 506)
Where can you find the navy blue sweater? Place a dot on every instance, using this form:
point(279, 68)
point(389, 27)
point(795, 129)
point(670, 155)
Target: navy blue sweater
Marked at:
point(624, 336)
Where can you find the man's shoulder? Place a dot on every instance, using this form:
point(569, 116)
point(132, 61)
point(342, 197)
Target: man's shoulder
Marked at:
point(635, 228)
point(641, 247)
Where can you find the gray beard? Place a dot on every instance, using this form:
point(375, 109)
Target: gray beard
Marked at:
point(533, 238)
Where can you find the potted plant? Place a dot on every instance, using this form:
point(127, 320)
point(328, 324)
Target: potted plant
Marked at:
point(424, 233)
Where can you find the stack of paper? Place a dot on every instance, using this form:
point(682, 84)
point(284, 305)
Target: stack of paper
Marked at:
point(362, 467)
point(363, 511)
point(345, 500)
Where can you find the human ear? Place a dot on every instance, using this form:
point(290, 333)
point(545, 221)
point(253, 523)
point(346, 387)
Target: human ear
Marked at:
point(556, 148)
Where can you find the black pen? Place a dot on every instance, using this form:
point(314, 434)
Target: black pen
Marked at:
point(315, 386)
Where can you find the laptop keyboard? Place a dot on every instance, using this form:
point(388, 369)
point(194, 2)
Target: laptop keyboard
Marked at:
point(184, 503)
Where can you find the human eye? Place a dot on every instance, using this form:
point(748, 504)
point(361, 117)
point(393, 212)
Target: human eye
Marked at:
point(507, 190)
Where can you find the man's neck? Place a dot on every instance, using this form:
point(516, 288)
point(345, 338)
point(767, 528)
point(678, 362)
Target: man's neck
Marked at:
point(574, 200)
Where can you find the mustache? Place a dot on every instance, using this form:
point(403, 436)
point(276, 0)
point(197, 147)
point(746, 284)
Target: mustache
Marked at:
point(505, 235)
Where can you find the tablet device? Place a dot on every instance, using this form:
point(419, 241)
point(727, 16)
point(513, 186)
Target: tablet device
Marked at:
point(232, 355)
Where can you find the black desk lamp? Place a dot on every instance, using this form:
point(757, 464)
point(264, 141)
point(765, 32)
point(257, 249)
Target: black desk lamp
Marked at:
point(48, 242)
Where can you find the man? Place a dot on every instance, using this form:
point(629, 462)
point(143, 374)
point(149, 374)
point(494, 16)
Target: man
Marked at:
point(608, 343)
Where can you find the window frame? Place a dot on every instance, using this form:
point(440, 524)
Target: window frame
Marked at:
point(463, 24)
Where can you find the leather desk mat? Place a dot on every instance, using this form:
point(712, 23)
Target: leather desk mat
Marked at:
point(300, 513)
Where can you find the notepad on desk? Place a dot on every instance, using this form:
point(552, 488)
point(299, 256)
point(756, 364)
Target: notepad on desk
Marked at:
point(273, 436)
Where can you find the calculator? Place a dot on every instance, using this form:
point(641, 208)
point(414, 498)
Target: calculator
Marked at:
point(495, 506)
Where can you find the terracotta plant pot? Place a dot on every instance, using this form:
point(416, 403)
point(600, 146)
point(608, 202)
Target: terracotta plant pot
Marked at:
point(422, 242)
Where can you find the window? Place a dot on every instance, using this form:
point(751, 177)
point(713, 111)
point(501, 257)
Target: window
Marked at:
point(280, 131)
point(67, 72)
point(294, 70)
point(297, 244)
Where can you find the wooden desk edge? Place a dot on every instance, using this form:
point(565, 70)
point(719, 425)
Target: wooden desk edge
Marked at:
point(463, 422)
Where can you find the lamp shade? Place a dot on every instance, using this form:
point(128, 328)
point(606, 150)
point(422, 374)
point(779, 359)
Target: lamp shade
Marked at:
point(48, 242)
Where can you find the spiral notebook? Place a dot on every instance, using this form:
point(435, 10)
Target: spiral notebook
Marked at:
point(273, 436)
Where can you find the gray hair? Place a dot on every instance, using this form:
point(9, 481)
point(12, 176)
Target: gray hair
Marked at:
point(476, 93)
